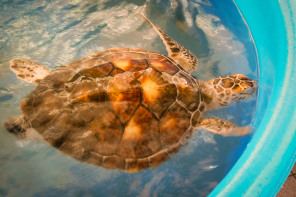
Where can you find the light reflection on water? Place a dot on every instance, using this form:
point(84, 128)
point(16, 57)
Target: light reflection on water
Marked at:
point(54, 33)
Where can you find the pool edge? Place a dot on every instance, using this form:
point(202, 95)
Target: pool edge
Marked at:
point(268, 158)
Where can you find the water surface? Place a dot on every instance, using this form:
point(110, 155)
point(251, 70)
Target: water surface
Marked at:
point(56, 32)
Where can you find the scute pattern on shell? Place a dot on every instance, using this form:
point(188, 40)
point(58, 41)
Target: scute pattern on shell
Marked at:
point(126, 109)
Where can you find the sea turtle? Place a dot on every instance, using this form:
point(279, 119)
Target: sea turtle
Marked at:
point(124, 108)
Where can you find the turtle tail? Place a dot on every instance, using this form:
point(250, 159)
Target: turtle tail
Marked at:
point(17, 126)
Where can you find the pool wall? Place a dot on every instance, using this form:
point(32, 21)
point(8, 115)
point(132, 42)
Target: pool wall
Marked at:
point(270, 155)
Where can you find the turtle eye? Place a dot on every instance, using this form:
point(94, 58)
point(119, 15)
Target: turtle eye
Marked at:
point(249, 83)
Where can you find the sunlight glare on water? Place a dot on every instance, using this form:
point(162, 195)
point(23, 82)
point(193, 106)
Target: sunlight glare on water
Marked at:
point(54, 33)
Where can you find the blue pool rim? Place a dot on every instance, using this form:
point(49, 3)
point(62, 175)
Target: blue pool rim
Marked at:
point(268, 158)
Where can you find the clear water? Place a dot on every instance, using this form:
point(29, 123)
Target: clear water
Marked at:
point(56, 32)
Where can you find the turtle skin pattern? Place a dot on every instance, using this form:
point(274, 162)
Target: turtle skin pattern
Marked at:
point(126, 109)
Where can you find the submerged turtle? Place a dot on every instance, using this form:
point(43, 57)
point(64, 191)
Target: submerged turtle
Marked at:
point(124, 108)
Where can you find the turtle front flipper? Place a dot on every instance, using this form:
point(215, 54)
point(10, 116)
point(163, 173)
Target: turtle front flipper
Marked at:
point(223, 127)
point(183, 56)
point(28, 70)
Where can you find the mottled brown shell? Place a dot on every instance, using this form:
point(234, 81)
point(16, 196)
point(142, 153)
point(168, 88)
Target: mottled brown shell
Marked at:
point(123, 109)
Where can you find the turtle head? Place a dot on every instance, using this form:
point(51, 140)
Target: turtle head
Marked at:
point(224, 91)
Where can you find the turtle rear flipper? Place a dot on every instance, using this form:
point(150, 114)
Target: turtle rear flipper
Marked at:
point(28, 70)
point(223, 127)
point(17, 125)
point(20, 127)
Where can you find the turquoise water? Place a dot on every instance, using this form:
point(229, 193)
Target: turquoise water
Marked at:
point(54, 33)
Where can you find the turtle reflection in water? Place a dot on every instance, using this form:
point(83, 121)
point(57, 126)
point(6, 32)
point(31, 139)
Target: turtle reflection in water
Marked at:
point(125, 108)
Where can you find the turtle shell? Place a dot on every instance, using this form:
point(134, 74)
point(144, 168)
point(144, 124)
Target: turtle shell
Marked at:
point(127, 109)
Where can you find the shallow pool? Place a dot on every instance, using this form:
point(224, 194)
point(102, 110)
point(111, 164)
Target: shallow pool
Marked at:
point(57, 32)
